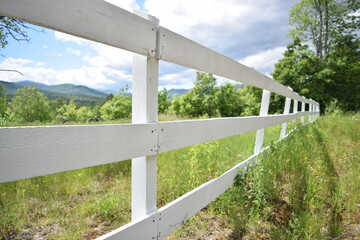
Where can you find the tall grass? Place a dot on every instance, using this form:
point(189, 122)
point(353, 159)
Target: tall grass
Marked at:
point(306, 187)
point(303, 187)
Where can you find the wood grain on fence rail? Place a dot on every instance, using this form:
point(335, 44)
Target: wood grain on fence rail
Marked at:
point(95, 20)
point(173, 136)
point(34, 151)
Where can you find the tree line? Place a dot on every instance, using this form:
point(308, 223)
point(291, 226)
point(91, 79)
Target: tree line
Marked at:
point(206, 99)
point(323, 61)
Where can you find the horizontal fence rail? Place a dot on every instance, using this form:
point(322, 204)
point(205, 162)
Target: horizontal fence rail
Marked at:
point(180, 50)
point(173, 135)
point(35, 151)
point(94, 20)
point(27, 152)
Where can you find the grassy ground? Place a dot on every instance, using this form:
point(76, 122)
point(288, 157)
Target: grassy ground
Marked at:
point(306, 187)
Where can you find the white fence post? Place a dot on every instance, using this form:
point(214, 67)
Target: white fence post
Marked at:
point(311, 110)
point(264, 109)
point(286, 112)
point(145, 110)
point(309, 116)
point(302, 110)
point(295, 110)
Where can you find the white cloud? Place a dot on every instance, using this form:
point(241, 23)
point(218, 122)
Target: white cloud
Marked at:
point(182, 79)
point(181, 15)
point(14, 62)
point(264, 60)
point(40, 64)
point(73, 52)
point(231, 27)
point(94, 77)
point(109, 56)
point(53, 54)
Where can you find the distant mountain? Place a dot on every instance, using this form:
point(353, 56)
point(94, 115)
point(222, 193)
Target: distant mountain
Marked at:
point(10, 87)
point(68, 89)
point(65, 89)
point(109, 91)
point(31, 83)
point(179, 92)
point(79, 93)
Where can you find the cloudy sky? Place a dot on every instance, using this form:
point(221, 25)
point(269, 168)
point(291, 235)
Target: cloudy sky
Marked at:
point(251, 32)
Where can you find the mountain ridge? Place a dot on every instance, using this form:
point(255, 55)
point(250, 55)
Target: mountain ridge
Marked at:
point(64, 88)
point(82, 94)
point(71, 91)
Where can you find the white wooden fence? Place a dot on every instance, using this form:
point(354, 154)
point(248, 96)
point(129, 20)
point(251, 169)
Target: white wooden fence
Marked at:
point(27, 152)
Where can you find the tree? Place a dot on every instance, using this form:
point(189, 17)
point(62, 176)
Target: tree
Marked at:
point(228, 100)
point(95, 114)
point(322, 21)
point(118, 107)
point(84, 114)
point(29, 105)
point(109, 97)
point(57, 103)
point(330, 74)
point(13, 28)
point(298, 69)
point(164, 102)
point(251, 99)
point(341, 73)
point(175, 105)
point(201, 99)
point(67, 113)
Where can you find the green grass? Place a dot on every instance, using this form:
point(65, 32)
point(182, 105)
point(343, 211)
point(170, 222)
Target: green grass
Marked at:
point(305, 187)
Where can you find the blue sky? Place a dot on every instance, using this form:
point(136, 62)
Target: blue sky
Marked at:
point(251, 32)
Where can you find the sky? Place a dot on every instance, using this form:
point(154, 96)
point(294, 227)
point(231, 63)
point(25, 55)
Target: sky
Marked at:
point(251, 32)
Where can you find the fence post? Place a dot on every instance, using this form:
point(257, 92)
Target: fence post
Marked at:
point(264, 109)
point(302, 110)
point(295, 110)
point(311, 111)
point(286, 111)
point(144, 110)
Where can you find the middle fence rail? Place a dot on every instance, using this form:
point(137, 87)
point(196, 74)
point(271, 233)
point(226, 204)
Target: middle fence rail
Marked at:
point(27, 152)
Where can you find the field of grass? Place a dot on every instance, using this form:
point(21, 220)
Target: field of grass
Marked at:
point(306, 187)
